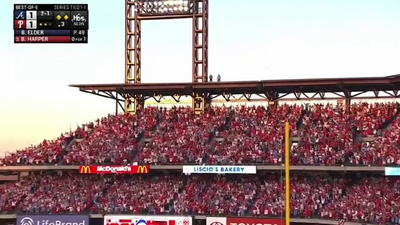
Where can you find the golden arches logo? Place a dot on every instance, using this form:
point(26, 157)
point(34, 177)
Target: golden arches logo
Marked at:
point(143, 169)
point(85, 169)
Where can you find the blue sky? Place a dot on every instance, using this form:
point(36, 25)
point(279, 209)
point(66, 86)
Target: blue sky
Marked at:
point(293, 38)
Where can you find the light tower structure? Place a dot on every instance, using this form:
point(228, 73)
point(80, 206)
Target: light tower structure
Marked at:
point(138, 11)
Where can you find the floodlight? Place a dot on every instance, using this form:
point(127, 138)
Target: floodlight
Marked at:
point(163, 6)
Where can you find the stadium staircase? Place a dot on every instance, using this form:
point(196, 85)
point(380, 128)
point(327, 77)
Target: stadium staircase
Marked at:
point(74, 141)
point(108, 182)
point(225, 127)
point(145, 137)
point(215, 137)
point(387, 124)
point(70, 142)
point(170, 207)
point(299, 124)
point(357, 137)
point(141, 140)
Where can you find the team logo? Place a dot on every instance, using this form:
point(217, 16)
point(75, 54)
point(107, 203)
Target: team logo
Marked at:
point(20, 24)
point(20, 15)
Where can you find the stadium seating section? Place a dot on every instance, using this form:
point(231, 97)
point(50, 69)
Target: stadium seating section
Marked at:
point(359, 135)
point(363, 134)
point(372, 199)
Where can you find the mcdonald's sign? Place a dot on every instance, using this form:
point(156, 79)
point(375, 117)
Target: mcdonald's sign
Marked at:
point(114, 169)
point(85, 169)
point(143, 169)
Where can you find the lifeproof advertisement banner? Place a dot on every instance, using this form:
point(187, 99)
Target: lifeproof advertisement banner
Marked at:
point(220, 169)
point(253, 221)
point(114, 169)
point(52, 220)
point(146, 220)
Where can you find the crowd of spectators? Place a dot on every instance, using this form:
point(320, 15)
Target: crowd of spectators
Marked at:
point(47, 152)
point(139, 195)
point(308, 195)
point(12, 193)
point(383, 150)
point(217, 195)
point(256, 135)
point(113, 139)
point(359, 134)
point(334, 135)
point(326, 135)
point(62, 194)
point(372, 200)
point(182, 137)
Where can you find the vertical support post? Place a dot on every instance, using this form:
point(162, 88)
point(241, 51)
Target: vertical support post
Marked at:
point(137, 75)
point(133, 55)
point(205, 40)
point(287, 171)
point(200, 52)
point(347, 95)
point(347, 104)
point(116, 104)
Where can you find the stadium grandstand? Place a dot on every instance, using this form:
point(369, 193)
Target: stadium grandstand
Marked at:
point(339, 153)
point(213, 153)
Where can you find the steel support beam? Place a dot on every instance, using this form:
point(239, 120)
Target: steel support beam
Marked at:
point(133, 53)
point(135, 14)
point(200, 53)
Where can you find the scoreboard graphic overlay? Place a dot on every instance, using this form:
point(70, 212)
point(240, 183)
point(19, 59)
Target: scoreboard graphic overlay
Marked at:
point(54, 23)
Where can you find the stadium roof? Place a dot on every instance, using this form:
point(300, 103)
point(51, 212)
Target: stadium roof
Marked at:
point(341, 87)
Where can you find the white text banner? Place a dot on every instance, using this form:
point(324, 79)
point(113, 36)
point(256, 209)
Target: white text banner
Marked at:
point(220, 169)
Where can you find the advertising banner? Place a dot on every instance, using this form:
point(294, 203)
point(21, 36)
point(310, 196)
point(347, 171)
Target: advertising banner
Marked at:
point(392, 171)
point(253, 221)
point(220, 169)
point(146, 220)
point(114, 169)
point(216, 221)
point(52, 220)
